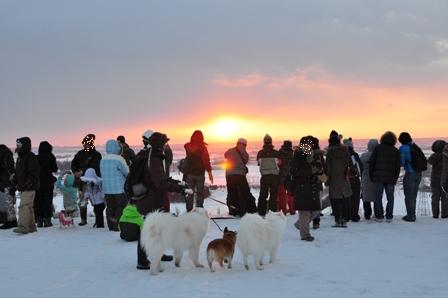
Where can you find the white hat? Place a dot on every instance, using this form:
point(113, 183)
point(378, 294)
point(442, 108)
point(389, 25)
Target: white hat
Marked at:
point(147, 134)
point(90, 176)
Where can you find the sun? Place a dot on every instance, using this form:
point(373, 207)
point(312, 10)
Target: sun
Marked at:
point(224, 129)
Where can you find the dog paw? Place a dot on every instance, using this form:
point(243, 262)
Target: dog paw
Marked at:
point(154, 272)
point(199, 266)
point(177, 264)
point(247, 267)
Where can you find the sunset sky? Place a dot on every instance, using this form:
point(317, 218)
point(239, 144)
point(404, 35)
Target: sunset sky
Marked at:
point(231, 68)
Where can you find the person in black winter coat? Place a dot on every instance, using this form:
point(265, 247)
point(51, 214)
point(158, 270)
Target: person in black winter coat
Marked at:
point(438, 196)
point(355, 182)
point(26, 180)
point(157, 183)
point(86, 158)
point(384, 170)
point(7, 169)
point(305, 172)
point(285, 198)
point(43, 203)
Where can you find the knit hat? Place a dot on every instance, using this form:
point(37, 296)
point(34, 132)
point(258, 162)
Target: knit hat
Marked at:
point(267, 139)
point(242, 141)
point(348, 143)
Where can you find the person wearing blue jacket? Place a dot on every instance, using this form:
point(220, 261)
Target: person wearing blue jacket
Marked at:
point(114, 171)
point(412, 177)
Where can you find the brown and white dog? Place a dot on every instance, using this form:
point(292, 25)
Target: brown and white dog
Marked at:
point(222, 250)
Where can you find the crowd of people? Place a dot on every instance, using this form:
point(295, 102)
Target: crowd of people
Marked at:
point(128, 186)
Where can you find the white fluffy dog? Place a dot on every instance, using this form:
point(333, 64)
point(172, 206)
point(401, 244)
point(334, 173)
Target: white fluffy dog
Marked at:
point(162, 231)
point(257, 235)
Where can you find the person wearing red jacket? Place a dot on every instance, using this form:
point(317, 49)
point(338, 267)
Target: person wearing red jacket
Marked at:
point(197, 163)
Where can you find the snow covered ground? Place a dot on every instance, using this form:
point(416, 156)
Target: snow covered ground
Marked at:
point(368, 259)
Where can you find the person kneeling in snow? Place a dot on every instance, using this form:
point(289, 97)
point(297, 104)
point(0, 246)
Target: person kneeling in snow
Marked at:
point(131, 222)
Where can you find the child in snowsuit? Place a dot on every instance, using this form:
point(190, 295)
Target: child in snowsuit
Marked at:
point(65, 183)
point(93, 192)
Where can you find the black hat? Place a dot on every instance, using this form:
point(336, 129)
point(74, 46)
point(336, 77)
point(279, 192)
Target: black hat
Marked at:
point(158, 139)
point(287, 144)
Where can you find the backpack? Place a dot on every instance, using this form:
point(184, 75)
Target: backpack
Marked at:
point(135, 185)
point(418, 160)
point(182, 166)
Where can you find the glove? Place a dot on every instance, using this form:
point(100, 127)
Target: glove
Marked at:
point(183, 183)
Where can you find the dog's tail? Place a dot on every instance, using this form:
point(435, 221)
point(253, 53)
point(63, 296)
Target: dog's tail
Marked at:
point(151, 234)
point(210, 257)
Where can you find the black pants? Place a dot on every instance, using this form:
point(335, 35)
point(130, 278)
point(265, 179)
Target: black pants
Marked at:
point(129, 231)
point(83, 214)
point(115, 205)
point(268, 187)
point(196, 183)
point(239, 198)
point(367, 209)
point(43, 203)
point(142, 258)
point(99, 215)
point(340, 209)
point(354, 200)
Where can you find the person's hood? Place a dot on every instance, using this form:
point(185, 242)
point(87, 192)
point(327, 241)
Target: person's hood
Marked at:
point(4, 150)
point(437, 146)
point(388, 138)
point(45, 147)
point(26, 145)
point(90, 176)
point(372, 144)
point(445, 151)
point(113, 147)
point(69, 180)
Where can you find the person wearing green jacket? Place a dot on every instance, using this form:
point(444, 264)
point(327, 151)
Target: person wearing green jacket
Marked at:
point(131, 222)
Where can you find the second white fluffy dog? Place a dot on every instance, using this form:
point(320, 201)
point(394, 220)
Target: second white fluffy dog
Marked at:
point(163, 231)
point(257, 236)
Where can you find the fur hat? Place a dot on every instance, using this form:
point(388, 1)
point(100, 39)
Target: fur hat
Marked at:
point(158, 139)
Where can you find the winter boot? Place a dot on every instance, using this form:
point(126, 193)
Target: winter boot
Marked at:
point(166, 258)
point(47, 222)
point(143, 266)
point(9, 225)
point(308, 238)
point(40, 222)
